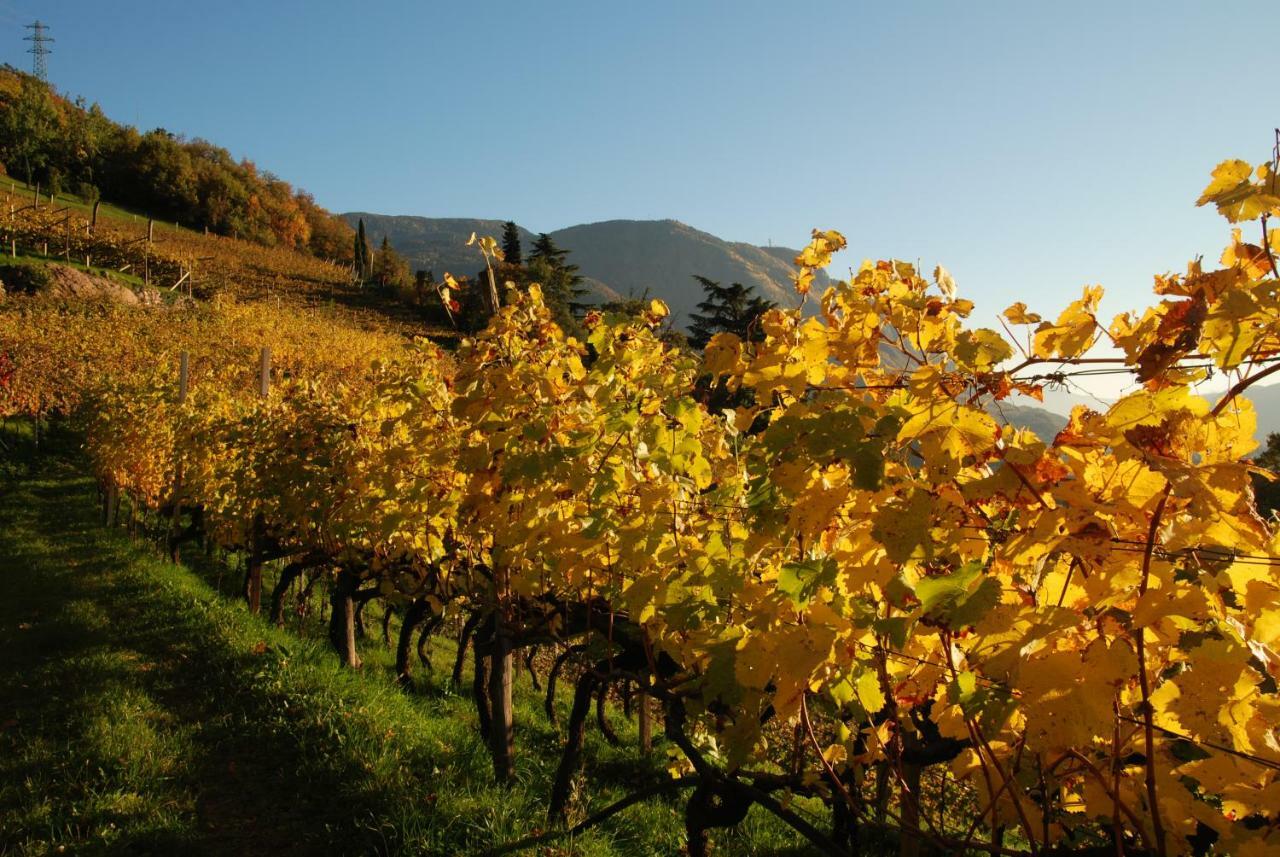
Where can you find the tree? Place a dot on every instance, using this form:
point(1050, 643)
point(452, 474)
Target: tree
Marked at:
point(561, 283)
point(424, 282)
point(389, 269)
point(726, 309)
point(30, 130)
point(68, 145)
point(545, 248)
point(361, 254)
point(511, 244)
point(331, 237)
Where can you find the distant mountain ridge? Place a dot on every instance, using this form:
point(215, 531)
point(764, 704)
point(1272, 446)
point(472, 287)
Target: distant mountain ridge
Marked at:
point(438, 244)
point(619, 258)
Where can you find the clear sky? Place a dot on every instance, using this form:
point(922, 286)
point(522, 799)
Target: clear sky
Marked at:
point(1030, 147)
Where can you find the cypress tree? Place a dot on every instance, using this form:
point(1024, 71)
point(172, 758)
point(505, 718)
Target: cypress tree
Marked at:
point(362, 253)
point(384, 256)
point(511, 244)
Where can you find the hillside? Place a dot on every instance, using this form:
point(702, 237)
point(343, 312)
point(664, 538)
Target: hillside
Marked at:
point(60, 144)
point(1045, 423)
point(618, 257)
point(662, 257)
point(1266, 404)
point(177, 260)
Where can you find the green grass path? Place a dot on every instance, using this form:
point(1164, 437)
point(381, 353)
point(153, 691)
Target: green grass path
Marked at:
point(142, 713)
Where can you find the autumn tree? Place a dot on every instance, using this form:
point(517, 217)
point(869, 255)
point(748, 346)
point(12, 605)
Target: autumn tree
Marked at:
point(29, 130)
point(47, 138)
point(389, 270)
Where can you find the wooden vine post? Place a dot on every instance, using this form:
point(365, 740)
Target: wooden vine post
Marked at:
point(257, 535)
point(644, 725)
point(175, 516)
point(494, 302)
point(502, 727)
point(146, 254)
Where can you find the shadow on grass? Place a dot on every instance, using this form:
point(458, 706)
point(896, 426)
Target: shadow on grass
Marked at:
point(85, 638)
point(141, 713)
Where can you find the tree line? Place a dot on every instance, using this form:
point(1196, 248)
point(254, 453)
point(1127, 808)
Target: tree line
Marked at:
point(69, 146)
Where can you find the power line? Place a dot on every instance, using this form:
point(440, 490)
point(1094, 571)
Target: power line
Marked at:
point(39, 49)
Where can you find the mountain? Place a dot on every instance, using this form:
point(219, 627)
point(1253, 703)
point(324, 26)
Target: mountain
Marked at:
point(619, 258)
point(1045, 423)
point(1266, 402)
point(661, 257)
point(438, 244)
point(1266, 405)
point(632, 258)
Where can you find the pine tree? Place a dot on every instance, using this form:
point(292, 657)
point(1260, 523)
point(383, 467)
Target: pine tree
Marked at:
point(726, 309)
point(545, 248)
point(561, 283)
point(511, 244)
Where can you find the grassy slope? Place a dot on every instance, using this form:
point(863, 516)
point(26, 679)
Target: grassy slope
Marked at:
point(244, 269)
point(142, 713)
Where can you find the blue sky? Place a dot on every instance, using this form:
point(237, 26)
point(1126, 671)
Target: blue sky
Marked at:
point(1030, 147)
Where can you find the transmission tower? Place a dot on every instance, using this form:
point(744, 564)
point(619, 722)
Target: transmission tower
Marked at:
point(39, 49)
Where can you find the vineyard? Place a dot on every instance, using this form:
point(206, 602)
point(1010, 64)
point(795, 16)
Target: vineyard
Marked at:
point(816, 566)
point(177, 262)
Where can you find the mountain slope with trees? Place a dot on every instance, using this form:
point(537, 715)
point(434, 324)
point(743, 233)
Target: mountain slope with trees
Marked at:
point(616, 258)
point(66, 145)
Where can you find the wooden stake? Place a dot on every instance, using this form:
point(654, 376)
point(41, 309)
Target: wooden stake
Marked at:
point(264, 372)
point(502, 727)
point(646, 729)
point(258, 534)
point(175, 517)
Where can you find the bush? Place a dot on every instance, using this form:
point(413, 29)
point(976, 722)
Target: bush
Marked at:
point(25, 278)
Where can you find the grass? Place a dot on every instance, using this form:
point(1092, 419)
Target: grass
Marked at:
point(143, 713)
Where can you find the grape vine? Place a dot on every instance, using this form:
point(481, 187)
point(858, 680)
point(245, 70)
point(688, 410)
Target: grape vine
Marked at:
point(863, 579)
